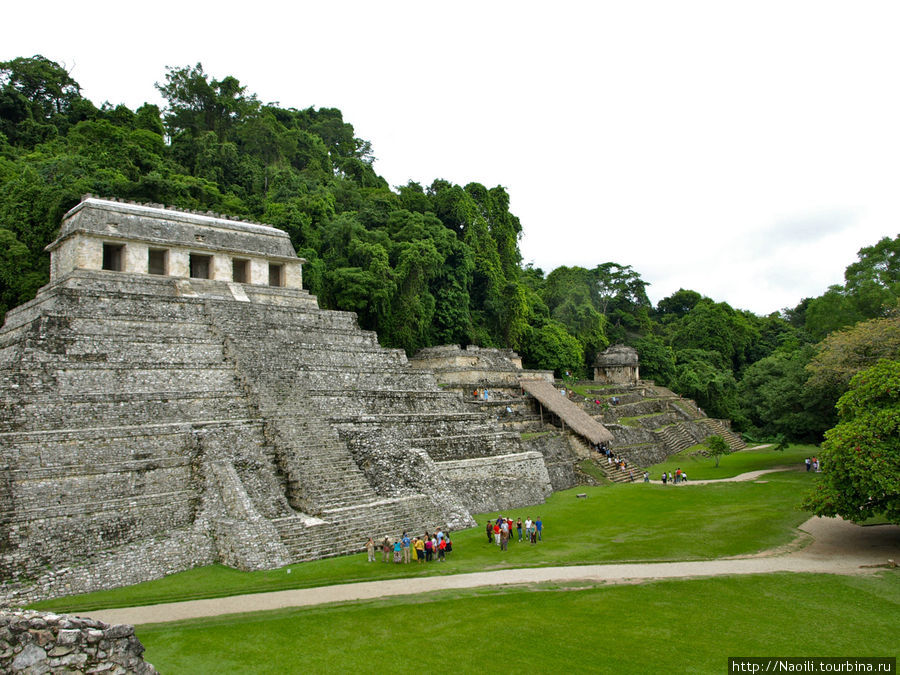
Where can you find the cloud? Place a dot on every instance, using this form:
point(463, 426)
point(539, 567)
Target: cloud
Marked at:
point(804, 230)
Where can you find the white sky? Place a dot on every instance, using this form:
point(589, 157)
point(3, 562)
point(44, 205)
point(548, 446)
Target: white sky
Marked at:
point(743, 150)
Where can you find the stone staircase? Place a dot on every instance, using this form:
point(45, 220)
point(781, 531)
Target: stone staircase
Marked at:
point(659, 422)
point(345, 530)
point(675, 437)
point(583, 451)
point(719, 428)
point(209, 425)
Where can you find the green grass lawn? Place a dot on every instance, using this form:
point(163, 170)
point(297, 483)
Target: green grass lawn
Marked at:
point(665, 626)
point(624, 522)
point(698, 467)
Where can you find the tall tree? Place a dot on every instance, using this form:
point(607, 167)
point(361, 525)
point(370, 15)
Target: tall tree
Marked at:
point(38, 100)
point(861, 456)
point(845, 353)
point(197, 104)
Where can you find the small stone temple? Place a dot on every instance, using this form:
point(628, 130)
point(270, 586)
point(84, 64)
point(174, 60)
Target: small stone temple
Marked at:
point(617, 365)
point(174, 398)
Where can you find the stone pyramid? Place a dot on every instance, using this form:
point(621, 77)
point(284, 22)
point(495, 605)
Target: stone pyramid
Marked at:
point(174, 398)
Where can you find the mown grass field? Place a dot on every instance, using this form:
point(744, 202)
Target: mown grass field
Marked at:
point(698, 467)
point(665, 626)
point(690, 625)
point(632, 522)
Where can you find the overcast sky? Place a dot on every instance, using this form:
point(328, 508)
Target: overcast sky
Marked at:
point(744, 150)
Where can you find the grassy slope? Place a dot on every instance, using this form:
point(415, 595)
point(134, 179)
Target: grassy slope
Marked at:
point(698, 467)
point(616, 523)
point(680, 626)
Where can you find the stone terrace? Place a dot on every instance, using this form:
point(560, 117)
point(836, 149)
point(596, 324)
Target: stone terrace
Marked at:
point(151, 424)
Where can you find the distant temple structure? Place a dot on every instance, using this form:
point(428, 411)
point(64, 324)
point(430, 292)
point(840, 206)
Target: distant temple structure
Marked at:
point(617, 365)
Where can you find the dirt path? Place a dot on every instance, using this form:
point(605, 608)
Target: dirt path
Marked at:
point(838, 547)
point(750, 475)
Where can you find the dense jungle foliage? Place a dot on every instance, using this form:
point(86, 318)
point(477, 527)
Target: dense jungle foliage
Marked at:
point(421, 265)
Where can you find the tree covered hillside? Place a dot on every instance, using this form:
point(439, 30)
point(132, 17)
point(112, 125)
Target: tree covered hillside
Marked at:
point(421, 265)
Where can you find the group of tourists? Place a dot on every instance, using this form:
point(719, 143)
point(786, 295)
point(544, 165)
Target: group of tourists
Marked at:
point(812, 464)
point(500, 531)
point(675, 478)
point(611, 457)
point(431, 546)
point(601, 448)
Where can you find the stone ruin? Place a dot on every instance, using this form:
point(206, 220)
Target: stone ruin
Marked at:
point(476, 369)
point(617, 365)
point(41, 642)
point(174, 398)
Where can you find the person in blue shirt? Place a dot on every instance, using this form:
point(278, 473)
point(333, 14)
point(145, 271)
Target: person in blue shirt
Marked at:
point(539, 526)
point(404, 541)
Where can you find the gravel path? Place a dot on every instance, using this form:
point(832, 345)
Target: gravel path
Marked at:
point(838, 547)
point(750, 475)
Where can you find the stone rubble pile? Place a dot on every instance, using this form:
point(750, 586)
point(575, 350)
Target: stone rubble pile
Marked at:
point(33, 643)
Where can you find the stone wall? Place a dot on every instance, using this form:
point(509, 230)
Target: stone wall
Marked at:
point(35, 642)
point(496, 483)
point(558, 458)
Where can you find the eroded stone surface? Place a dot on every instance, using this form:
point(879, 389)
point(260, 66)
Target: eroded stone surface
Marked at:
point(67, 649)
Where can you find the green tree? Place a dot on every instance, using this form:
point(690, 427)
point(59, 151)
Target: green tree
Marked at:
point(860, 458)
point(197, 104)
point(550, 346)
point(774, 400)
point(845, 353)
point(874, 280)
point(829, 312)
point(715, 326)
point(38, 100)
point(622, 283)
point(657, 360)
point(717, 447)
point(705, 377)
point(570, 294)
point(678, 304)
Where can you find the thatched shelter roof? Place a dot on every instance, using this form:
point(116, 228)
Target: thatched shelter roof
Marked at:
point(577, 419)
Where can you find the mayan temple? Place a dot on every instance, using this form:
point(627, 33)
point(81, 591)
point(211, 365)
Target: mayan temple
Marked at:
point(174, 398)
